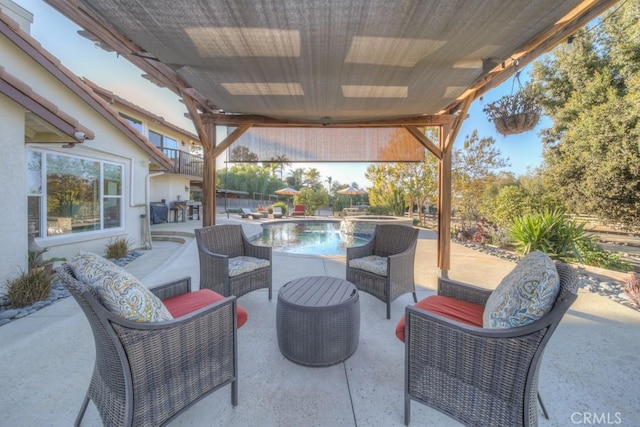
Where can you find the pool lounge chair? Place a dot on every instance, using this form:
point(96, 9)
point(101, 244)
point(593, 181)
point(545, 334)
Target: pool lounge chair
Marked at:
point(246, 213)
point(277, 212)
point(298, 210)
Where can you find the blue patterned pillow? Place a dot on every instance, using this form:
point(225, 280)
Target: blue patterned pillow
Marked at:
point(119, 291)
point(526, 294)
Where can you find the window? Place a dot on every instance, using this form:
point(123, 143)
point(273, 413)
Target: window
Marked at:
point(169, 146)
point(68, 195)
point(137, 124)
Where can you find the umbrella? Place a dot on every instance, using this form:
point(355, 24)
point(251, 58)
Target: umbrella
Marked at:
point(287, 191)
point(351, 191)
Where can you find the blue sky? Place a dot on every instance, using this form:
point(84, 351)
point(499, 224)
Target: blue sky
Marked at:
point(59, 36)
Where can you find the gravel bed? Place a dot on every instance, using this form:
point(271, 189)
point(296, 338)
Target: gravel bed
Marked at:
point(58, 291)
point(612, 289)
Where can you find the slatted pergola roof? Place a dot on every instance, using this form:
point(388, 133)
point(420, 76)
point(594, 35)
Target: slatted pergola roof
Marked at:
point(331, 63)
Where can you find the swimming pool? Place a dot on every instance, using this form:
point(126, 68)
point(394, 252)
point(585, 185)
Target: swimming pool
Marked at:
point(308, 237)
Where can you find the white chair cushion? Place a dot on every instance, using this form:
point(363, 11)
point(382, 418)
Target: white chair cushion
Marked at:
point(244, 264)
point(117, 289)
point(526, 294)
point(374, 264)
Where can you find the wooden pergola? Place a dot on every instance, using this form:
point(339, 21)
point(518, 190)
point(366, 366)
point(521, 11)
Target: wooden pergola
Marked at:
point(379, 49)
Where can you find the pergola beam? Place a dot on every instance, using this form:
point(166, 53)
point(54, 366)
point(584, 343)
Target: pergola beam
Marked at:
point(197, 122)
point(523, 56)
point(263, 121)
point(231, 138)
point(426, 142)
point(86, 18)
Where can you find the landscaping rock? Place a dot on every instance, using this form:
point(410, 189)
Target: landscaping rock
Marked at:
point(8, 314)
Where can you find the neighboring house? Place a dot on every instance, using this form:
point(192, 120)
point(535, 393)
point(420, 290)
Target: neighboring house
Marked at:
point(75, 174)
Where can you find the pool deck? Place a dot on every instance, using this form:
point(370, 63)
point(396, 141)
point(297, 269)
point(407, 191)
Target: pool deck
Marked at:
point(589, 367)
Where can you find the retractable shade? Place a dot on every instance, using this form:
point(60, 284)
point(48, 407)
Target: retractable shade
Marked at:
point(332, 61)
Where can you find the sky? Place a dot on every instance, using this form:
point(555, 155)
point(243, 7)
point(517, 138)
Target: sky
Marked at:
point(59, 36)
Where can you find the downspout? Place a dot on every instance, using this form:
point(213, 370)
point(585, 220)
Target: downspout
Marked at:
point(146, 218)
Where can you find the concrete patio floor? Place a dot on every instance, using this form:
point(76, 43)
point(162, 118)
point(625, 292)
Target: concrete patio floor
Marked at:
point(588, 374)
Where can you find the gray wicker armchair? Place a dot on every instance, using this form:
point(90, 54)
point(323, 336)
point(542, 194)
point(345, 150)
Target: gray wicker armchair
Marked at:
point(480, 377)
point(218, 244)
point(145, 374)
point(397, 243)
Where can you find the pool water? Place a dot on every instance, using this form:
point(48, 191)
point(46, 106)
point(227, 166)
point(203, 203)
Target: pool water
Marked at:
point(308, 237)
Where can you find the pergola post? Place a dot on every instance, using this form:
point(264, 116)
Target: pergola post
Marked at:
point(444, 202)
point(448, 134)
point(209, 177)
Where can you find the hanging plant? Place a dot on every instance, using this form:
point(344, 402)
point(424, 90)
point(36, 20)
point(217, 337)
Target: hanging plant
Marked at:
point(518, 112)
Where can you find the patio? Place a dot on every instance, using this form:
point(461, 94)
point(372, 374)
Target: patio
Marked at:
point(48, 356)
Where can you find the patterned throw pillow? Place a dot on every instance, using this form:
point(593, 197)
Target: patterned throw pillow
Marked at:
point(374, 264)
point(119, 291)
point(244, 264)
point(526, 294)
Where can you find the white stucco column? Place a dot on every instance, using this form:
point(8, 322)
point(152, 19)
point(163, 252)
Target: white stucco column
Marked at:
point(13, 216)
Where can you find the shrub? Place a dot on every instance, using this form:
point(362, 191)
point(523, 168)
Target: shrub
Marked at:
point(632, 288)
point(31, 286)
point(591, 253)
point(500, 237)
point(117, 248)
point(283, 205)
point(482, 232)
point(35, 260)
point(379, 210)
point(550, 232)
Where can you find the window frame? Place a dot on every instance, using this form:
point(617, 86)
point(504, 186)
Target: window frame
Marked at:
point(42, 220)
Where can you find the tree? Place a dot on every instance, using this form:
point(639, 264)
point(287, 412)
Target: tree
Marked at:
point(312, 198)
point(387, 189)
point(294, 179)
point(251, 178)
point(242, 154)
point(592, 90)
point(506, 197)
point(312, 178)
point(281, 160)
point(474, 168)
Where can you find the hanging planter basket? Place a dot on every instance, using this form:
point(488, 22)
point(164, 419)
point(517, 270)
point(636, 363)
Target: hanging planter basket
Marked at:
point(516, 113)
point(517, 123)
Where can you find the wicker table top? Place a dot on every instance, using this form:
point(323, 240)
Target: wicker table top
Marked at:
point(318, 320)
point(317, 291)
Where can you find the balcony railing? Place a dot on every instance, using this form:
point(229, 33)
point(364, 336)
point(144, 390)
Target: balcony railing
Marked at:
point(185, 163)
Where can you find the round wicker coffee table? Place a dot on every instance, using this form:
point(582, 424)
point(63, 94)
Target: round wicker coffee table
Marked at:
point(318, 320)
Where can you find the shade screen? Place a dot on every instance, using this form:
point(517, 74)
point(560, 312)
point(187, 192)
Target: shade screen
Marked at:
point(328, 145)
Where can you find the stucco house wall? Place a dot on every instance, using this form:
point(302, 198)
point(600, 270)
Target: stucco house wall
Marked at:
point(109, 144)
point(13, 218)
point(169, 187)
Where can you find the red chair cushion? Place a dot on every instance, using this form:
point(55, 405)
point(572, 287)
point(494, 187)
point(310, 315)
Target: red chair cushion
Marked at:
point(452, 308)
point(191, 301)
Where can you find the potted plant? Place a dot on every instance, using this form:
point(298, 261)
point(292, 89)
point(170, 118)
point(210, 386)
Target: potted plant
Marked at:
point(516, 113)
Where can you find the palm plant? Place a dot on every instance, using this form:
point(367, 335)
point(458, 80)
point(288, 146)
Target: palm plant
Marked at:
point(550, 232)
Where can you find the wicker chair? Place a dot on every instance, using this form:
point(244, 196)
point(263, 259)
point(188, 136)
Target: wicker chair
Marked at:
point(397, 243)
point(216, 245)
point(145, 374)
point(480, 377)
